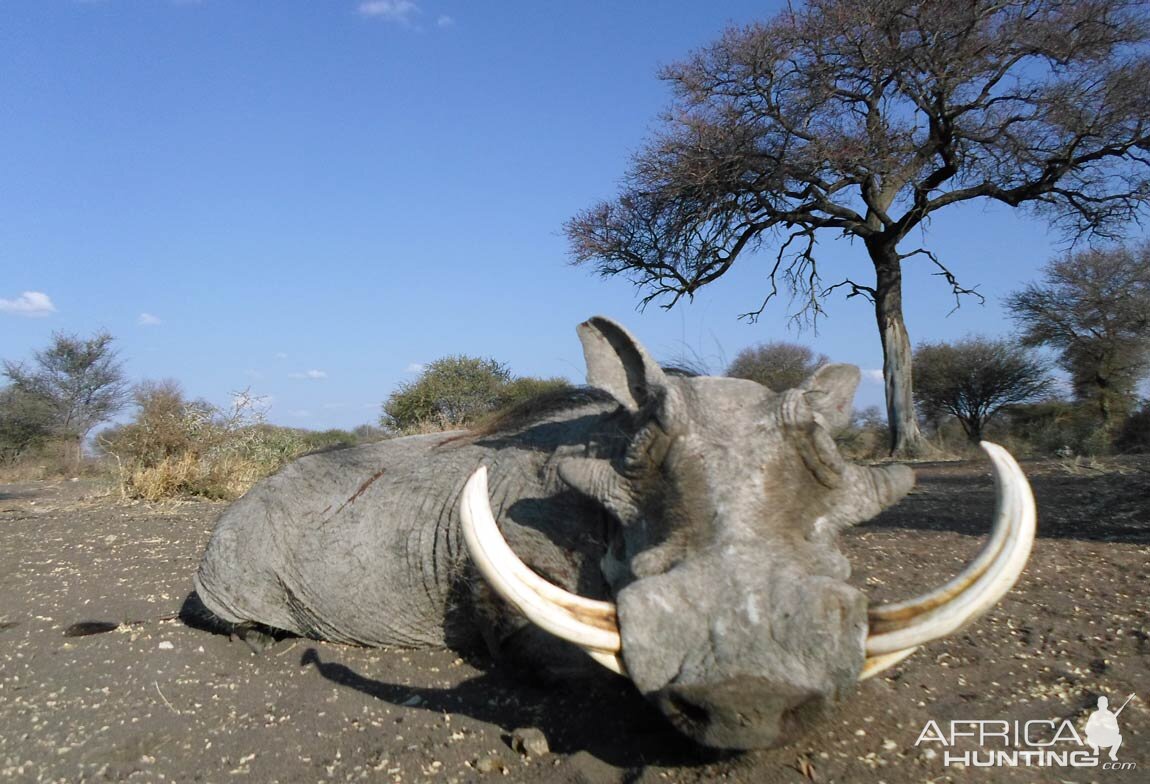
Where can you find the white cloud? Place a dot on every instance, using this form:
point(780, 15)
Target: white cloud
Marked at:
point(415, 367)
point(281, 355)
point(148, 320)
point(311, 375)
point(445, 21)
point(33, 304)
point(301, 413)
point(399, 11)
point(873, 375)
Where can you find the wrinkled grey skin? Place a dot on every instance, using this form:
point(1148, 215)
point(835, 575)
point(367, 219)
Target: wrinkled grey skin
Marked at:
point(707, 508)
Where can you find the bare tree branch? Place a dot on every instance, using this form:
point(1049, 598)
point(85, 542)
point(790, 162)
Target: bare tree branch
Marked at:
point(857, 290)
point(956, 289)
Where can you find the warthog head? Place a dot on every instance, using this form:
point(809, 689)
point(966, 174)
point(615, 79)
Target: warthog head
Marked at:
point(731, 608)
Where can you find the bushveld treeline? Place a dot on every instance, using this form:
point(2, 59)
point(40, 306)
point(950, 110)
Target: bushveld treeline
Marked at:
point(1089, 315)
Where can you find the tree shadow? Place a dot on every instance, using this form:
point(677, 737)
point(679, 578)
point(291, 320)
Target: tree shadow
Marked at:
point(604, 716)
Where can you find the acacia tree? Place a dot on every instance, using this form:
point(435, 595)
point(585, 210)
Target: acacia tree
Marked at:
point(865, 117)
point(975, 378)
point(80, 382)
point(777, 365)
point(1093, 307)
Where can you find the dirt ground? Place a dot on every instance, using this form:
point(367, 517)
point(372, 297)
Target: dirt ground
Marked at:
point(155, 700)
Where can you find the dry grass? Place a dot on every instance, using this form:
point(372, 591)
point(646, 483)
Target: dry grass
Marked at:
point(233, 463)
point(49, 462)
point(177, 448)
point(25, 471)
point(226, 478)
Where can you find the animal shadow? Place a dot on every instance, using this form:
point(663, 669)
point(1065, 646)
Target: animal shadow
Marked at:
point(602, 716)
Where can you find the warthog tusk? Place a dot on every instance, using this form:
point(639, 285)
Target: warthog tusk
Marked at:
point(589, 623)
point(876, 664)
point(612, 661)
point(896, 628)
point(888, 617)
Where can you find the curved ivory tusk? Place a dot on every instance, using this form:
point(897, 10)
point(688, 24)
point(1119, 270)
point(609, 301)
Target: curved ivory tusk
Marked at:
point(589, 623)
point(876, 664)
point(887, 617)
point(612, 661)
point(1014, 528)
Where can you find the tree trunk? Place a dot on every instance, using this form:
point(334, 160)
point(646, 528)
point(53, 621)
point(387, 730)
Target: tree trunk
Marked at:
point(1106, 397)
point(74, 454)
point(974, 430)
point(906, 439)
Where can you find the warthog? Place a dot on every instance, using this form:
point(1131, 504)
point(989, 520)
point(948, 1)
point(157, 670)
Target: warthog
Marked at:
point(681, 530)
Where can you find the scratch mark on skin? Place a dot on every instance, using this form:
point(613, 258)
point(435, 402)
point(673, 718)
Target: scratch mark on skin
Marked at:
point(354, 496)
point(362, 489)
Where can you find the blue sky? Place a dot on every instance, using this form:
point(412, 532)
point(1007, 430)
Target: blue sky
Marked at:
point(310, 199)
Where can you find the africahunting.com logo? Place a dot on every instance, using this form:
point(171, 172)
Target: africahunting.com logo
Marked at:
point(991, 743)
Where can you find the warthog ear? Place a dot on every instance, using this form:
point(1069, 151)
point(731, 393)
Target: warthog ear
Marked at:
point(830, 393)
point(617, 364)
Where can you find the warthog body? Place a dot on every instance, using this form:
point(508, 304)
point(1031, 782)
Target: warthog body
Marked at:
point(705, 508)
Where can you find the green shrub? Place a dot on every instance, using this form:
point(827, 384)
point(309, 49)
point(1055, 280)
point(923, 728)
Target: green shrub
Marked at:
point(450, 392)
point(26, 424)
point(456, 392)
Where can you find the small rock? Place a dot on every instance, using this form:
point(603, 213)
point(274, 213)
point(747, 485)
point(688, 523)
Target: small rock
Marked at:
point(412, 702)
point(530, 742)
point(166, 646)
point(490, 764)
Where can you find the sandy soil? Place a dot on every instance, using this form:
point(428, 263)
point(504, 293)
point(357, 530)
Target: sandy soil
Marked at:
point(155, 700)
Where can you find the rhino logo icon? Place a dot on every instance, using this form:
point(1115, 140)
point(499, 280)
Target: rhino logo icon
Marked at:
point(1102, 727)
